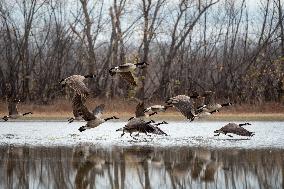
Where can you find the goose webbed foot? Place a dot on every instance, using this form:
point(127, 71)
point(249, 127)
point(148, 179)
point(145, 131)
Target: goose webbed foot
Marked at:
point(133, 137)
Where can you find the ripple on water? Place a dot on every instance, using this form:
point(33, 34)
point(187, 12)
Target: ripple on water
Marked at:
point(194, 134)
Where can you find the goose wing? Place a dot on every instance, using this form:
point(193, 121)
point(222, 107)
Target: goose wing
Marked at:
point(77, 102)
point(156, 130)
point(184, 104)
point(236, 129)
point(82, 109)
point(126, 65)
point(98, 111)
point(76, 82)
point(129, 77)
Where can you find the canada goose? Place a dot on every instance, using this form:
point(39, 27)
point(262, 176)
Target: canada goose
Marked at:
point(13, 110)
point(77, 102)
point(210, 104)
point(184, 104)
point(76, 82)
point(141, 126)
point(234, 129)
point(203, 114)
point(126, 71)
point(156, 108)
point(138, 124)
point(128, 67)
point(93, 118)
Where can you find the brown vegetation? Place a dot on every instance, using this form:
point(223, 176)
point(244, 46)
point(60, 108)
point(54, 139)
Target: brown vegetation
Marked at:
point(61, 109)
point(221, 45)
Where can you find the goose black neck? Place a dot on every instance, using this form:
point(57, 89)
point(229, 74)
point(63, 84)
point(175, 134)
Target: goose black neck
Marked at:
point(89, 76)
point(226, 104)
point(242, 124)
point(27, 113)
point(109, 118)
point(140, 63)
point(214, 111)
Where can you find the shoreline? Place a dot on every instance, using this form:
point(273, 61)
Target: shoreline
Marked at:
point(164, 116)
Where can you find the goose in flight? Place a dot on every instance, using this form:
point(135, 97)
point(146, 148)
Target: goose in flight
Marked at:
point(126, 71)
point(210, 104)
point(138, 124)
point(184, 104)
point(13, 110)
point(203, 114)
point(93, 118)
point(76, 82)
point(156, 108)
point(234, 129)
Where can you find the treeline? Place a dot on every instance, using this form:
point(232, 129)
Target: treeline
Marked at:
point(231, 47)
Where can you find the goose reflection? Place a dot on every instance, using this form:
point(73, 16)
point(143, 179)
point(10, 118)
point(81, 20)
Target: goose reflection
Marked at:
point(86, 162)
point(86, 166)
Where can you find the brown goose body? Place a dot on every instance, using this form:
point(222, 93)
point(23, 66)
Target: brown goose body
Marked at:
point(235, 129)
point(138, 124)
point(126, 72)
point(93, 118)
point(184, 104)
point(210, 104)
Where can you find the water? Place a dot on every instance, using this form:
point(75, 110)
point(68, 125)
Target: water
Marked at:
point(56, 155)
point(139, 167)
point(194, 134)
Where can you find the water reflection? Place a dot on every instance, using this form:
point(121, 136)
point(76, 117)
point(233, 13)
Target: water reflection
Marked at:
point(139, 167)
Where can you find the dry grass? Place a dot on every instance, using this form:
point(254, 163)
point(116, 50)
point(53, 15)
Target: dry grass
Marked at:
point(61, 109)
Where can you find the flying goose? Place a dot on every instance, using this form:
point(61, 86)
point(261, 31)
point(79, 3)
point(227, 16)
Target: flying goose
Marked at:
point(141, 126)
point(210, 104)
point(93, 118)
point(234, 129)
point(184, 104)
point(202, 113)
point(138, 124)
point(76, 82)
point(156, 108)
point(126, 71)
point(13, 110)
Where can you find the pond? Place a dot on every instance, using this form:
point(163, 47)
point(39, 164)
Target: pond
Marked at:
point(56, 155)
point(139, 167)
point(191, 134)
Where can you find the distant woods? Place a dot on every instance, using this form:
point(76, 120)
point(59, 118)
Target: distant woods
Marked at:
point(231, 47)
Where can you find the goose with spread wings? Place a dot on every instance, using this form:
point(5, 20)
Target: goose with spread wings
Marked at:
point(154, 109)
point(127, 72)
point(138, 124)
point(210, 104)
point(234, 129)
point(76, 82)
point(13, 110)
point(93, 118)
point(184, 104)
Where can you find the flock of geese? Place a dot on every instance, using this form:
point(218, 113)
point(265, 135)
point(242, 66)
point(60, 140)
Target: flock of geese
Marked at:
point(187, 105)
